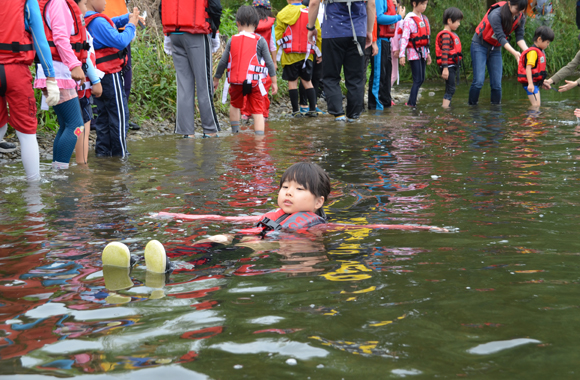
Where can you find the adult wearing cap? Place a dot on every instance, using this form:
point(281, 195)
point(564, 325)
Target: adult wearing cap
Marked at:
point(346, 32)
point(116, 8)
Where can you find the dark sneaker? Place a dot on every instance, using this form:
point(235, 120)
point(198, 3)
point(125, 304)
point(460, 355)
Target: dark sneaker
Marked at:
point(133, 126)
point(6, 147)
point(312, 114)
point(297, 114)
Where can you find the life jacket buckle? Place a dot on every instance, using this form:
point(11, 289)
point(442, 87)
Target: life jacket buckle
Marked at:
point(269, 225)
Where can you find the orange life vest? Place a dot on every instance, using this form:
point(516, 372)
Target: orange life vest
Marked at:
point(189, 16)
point(423, 35)
point(15, 42)
point(78, 40)
point(115, 8)
point(485, 31)
point(264, 29)
point(454, 56)
point(538, 71)
point(109, 60)
point(295, 38)
point(388, 31)
point(243, 61)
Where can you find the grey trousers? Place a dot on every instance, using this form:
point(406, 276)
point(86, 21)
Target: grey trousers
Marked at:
point(192, 61)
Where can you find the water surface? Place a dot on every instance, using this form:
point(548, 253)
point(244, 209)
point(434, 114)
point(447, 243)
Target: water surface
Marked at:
point(498, 297)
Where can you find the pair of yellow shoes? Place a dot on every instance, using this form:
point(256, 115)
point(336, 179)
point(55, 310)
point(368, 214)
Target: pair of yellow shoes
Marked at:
point(117, 255)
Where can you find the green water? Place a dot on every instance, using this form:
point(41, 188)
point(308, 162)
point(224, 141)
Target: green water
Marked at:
point(495, 298)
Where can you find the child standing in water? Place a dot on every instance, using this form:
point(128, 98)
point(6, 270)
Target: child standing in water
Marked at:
point(532, 64)
point(265, 29)
point(247, 59)
point(448, 52)
point(66, 34)
point(414, 45)
point(297, 54)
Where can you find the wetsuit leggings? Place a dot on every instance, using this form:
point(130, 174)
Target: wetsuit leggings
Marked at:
point(70, 121)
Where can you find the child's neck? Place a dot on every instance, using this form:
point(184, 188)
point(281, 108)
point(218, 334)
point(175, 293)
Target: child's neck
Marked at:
point(246, 28)
point(417, 12)
point(447, 28)
point(90, 8)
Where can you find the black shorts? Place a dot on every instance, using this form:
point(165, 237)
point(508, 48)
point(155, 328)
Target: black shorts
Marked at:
point(86, 109)
point(292, 72)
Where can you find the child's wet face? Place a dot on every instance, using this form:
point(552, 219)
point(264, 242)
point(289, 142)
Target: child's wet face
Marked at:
point(293, 197)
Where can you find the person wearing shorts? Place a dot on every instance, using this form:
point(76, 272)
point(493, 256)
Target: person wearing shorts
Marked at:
point(297, 54)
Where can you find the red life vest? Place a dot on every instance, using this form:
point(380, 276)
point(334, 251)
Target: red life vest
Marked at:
point(243, 62)
point(485, 31)
point(189, 16)
point(278, 220)
point(109, 60)
point(295, 38)
point(423, 35)
point(15, 42)
point(388, 31)
point(454, 56)
point(78, 40)
point(538, 71)
point(264, 29)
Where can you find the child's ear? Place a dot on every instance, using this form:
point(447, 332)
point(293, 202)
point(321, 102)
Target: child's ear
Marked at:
point(319, 202)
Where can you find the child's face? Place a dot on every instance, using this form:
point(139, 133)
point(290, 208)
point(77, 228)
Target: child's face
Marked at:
point(453, 25)
point(420, 7)
point(98, 5)
point(83, 6)
point(541, 44)
point(293, 197)
point(515, 10)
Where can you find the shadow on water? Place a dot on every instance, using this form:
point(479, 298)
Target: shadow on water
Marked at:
point(495, 298)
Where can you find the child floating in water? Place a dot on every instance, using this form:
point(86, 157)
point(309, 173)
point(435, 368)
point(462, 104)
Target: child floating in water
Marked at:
point(304, 188)
point(532, 64)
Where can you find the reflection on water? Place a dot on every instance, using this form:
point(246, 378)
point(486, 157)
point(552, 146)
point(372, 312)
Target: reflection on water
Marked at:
point(498, 296)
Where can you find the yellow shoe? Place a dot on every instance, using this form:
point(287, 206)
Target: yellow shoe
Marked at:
point(155, 257)
point(116, 254)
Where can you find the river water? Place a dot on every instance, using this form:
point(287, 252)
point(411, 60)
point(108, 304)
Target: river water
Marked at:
point(495, 297)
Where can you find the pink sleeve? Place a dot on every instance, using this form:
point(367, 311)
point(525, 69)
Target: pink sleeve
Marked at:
point(404, 41)
point(62, 24)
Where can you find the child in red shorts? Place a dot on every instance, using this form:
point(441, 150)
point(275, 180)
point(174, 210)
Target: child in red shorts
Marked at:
point(248, 61)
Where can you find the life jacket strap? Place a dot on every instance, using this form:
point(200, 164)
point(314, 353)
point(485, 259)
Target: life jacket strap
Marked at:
point(120, 55)
point(271, 225)
point(16, 47)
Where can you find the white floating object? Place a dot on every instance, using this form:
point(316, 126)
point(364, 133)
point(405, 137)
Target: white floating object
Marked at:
point(435, 176)
point(500, 345)
point(238, 366)
point(291, 361)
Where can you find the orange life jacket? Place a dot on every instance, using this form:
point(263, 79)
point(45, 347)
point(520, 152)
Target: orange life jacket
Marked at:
point(388, 31)
point(15, 42)
point(243, 61)
point(423, 35)
point(295, 38)
point(538, 71)
point(454, 56)
point(116, 8)
point(264, 29)
point(109, 60)
point(189, 16)
point(78, 40)
point(485, 31)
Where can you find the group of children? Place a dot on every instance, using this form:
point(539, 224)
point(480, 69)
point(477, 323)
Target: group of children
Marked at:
point(81, 53)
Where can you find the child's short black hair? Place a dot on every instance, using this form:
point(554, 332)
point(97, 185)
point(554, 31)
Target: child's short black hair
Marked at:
point(545, 33)
point(414, 3)
point(247, 16)
point(452, 14)
point(309, 175)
